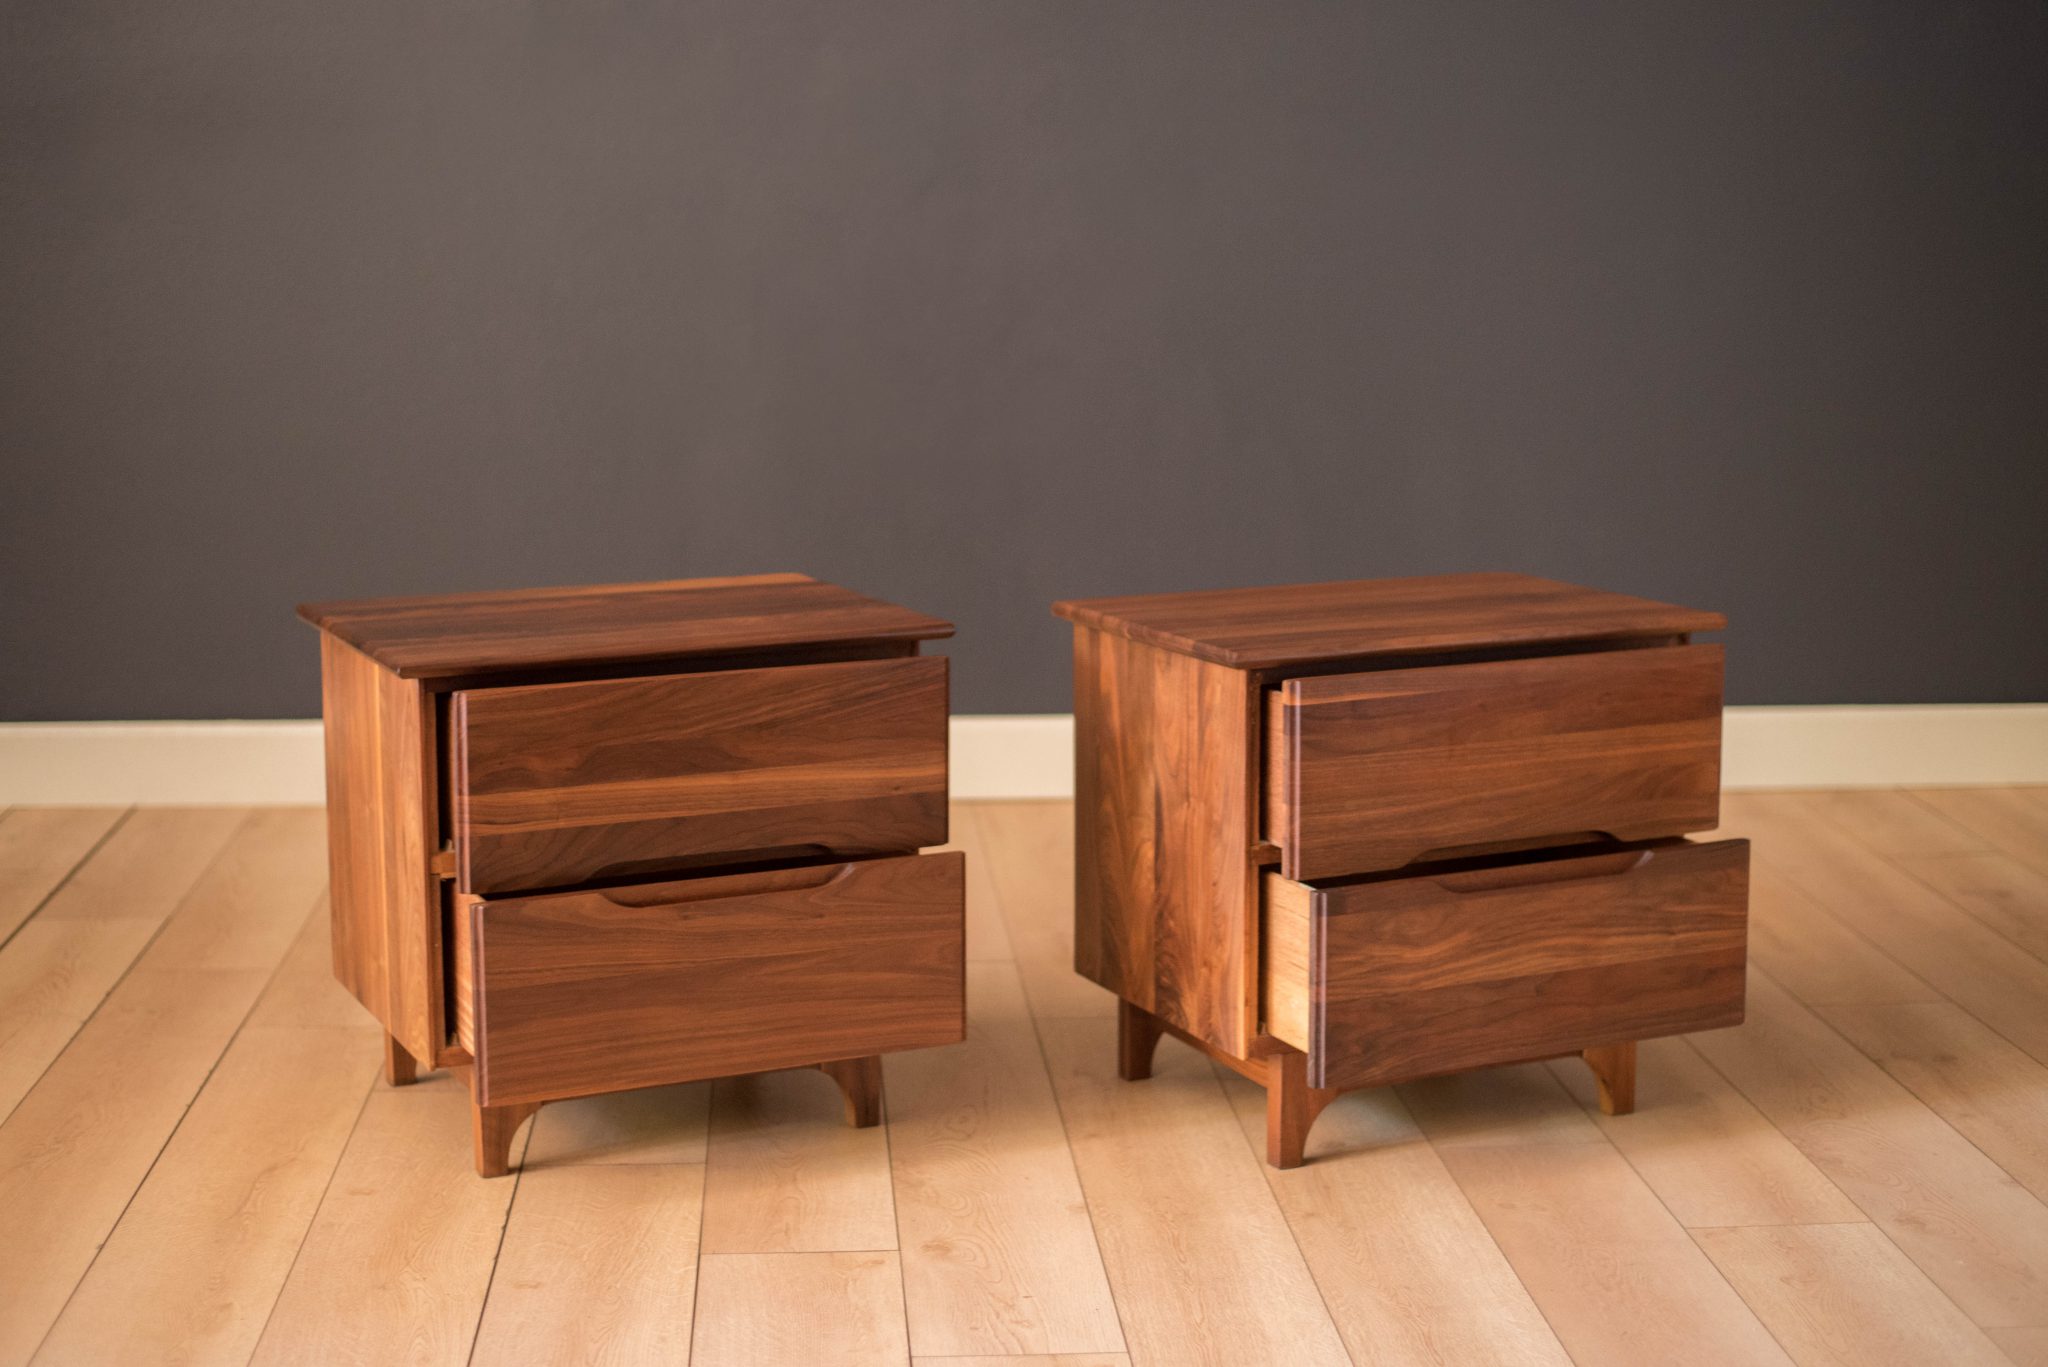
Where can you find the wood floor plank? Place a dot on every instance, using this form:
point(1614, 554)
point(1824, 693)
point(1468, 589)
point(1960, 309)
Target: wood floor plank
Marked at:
point(800, 1310)
point(1890, 819)
point(785, 1173)
point(1844, 1296)
point(1406, 1268)
point(39, 847)
point(1980, 1235)
point(1710, 1156)
point(998, 1252)
point(2027, 1347)
point(1519, 1104)
point(81, 1142)
point(2011, 819)
point(1997, 889)
point(652, 1125)
point(59, 966)
point(1029, 847)
point(198, 1258)
point(598, 1265)
point(987, 936)
point(1203, 1265)
point(1991, 1092)
point(395, 1265)
point(1029, 1360)
point(1818, 958)
point(1618, 1279)
point(1975, 967)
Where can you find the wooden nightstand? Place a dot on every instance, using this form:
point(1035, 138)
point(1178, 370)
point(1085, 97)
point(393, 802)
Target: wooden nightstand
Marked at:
point(591, 839)
point(1344, 835)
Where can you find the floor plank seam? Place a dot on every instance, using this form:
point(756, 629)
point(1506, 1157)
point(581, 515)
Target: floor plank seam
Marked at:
point(69, 874)
point(256, 1000)
point(498, 1250)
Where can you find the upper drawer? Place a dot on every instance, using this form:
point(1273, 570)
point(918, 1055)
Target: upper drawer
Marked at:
point(1372, 771)
point(563, 783)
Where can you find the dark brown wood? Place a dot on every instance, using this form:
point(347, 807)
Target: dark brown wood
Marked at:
point(381, 812)
point(1137, 1040)
point(636, 986)
point(1614, 1071)
point(1165, 908)
point(401, 1069)
point(1422, 975)
point(558, 784)
point(1372, 771)
point(860, 1082)
point(1267, 628)
point(531, 629)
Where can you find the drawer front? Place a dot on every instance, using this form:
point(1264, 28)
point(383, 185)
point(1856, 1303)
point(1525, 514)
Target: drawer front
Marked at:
point(1401, 978)
point(582, 992)
point(1366, 772)
point(556, 784)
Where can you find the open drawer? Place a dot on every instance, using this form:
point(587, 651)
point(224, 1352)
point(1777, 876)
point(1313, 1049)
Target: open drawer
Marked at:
point(1382, 980)
point(558, 784)
point(564, 994)
point(1371, 771)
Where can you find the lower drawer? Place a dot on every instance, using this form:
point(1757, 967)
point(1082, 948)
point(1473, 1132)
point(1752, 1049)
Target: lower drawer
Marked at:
point(570, 993)
point(1382, 980)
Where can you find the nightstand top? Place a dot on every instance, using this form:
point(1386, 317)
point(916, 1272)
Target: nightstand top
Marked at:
point(1263, 628)
point(481, 633)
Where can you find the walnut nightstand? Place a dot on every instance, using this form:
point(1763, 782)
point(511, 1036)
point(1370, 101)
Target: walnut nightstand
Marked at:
point(591, 839)
point(1344, 835)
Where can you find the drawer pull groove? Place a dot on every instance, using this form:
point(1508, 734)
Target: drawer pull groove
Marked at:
point(802, 879)
point(1577, 870)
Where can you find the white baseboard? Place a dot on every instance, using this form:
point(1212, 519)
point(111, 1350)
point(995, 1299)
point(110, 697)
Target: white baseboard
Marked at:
point(252, 762)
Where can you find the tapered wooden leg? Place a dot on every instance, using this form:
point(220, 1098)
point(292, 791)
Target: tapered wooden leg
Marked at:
point(861, 1080)
point(1291, 1108)
point(1137, 1039)
point(494, 1128)
point(1614, 1068)
point(401, 1069)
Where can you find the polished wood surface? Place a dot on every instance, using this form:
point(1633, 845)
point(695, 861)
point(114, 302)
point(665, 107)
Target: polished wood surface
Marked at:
point(1429, 974)
point(556, 784)
point(459, 634)
point(1372, 771)
point(654, 983)
point(1267, 628)
point(1165, 910)
point(213, 1161)
point(382, 824)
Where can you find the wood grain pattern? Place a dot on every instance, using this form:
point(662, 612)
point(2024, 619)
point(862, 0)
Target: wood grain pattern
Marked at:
point(1165, 911)
point(785, 1174)
point(799, 1310)
point(1189, 1231)
point(39, 846)
point(565, 783)
point(1265, 628)
point(1709, 1155)
point(1843, 1295)
point(2001, 892)
point(598, 1265)
point(1618, 1279)
point(2008, 819)
point(1424, 975)
point(998, 1254)
point(1409, 1273)
point(656, 983)
point(652, 1125)
point(523, 629)
point(1981, 1236)
point(1371, 771)
point(382, 814)
point(398, 1259)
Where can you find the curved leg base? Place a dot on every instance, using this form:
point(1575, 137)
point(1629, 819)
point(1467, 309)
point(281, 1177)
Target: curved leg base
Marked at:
point(860, 1080)
point(1614, 1068)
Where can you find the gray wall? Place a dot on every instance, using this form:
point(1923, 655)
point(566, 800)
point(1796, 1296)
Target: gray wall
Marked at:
point(977, 303)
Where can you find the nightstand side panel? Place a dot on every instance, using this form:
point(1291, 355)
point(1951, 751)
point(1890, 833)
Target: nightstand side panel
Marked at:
point(1165, 804)
point(381, 799)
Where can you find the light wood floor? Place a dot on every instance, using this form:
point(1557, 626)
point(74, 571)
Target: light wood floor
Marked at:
point(198, 1162)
